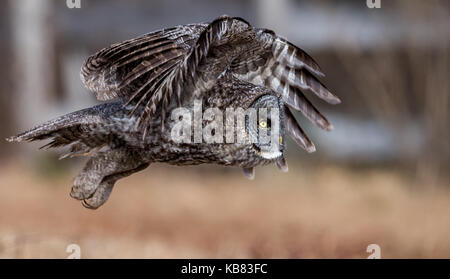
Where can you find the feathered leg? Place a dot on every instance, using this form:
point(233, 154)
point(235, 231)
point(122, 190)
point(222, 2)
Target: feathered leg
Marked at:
point(94, 183)
point(103, 190)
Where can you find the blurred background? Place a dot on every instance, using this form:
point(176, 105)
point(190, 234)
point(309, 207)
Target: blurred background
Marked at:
point(381, 176)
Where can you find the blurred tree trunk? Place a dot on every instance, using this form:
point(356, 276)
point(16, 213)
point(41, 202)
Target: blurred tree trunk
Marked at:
point(33, 51)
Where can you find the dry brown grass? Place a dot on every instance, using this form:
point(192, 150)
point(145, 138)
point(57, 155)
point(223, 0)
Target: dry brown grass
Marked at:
point(179, 212)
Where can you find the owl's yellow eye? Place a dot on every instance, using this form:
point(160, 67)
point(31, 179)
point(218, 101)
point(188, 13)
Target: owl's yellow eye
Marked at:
point(263, 124)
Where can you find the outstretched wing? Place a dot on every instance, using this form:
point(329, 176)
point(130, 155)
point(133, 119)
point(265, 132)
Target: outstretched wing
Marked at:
point(257, 56)
point(153, 69)
point(253, 55)
point(287, 70)
point(149, 70)
point(133, 68)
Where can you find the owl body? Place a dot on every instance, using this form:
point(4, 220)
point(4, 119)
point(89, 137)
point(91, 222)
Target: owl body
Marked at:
point(171, 87)
point(115, 128)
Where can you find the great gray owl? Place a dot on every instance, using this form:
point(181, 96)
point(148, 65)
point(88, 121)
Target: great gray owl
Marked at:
point(225, 64)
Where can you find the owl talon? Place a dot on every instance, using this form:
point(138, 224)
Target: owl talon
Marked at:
point(79, 194)
point(282, 164)
point(85, 186)
point(87, 205)
point(100, 196)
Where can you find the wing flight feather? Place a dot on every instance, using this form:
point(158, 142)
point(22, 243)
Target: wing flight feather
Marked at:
point(187, 60)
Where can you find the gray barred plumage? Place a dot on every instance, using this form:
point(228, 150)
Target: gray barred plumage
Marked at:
point(225, 63)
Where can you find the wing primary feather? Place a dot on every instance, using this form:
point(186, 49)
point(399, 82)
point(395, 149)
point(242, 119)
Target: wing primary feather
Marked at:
point(160, 48)
point(145, 113)
point(290, 54)
point(154, 49)
point(158, 76)
point(103, 58)
point(147, 66)
point(140, 42)
point(300, 78)
point(307, 81)
point(296, 132)
point(135, 42)
point(296, 100)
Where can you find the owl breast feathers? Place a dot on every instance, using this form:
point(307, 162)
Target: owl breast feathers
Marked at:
point(191, 94)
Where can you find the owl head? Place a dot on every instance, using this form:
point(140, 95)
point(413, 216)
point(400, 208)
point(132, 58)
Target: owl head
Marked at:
point(264, 126)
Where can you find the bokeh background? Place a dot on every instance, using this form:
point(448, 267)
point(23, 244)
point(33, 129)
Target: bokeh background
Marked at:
point(382, 176)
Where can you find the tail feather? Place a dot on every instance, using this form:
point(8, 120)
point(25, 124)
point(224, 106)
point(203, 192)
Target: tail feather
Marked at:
point(54, 128)
point(83, 131)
